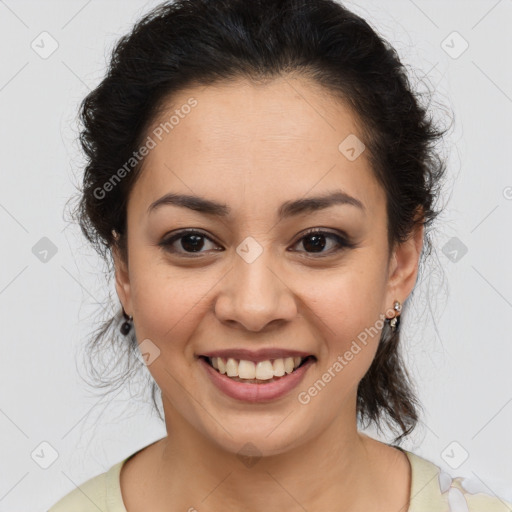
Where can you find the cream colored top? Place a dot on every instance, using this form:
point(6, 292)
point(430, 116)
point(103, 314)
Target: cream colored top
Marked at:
point(432, 490)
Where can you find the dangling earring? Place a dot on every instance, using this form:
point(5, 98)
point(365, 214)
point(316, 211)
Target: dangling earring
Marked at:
point(127, 324)
point(395, 321)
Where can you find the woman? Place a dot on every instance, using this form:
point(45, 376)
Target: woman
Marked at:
point(263, 177)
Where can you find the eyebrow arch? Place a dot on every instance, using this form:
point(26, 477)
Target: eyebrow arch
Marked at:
point(287, 209)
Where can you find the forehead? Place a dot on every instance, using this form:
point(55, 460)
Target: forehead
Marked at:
point(246, 143)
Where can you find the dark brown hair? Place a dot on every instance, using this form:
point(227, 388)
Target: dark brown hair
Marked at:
point(200, 42)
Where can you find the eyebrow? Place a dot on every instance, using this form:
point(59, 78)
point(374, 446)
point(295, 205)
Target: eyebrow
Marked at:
point(287, 209)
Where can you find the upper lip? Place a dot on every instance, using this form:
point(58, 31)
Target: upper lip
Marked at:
point(256, 355)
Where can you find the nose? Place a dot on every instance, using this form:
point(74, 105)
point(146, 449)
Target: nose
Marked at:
point(255, 295)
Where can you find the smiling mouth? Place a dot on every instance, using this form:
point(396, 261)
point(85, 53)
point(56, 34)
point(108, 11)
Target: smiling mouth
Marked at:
point(241, 370)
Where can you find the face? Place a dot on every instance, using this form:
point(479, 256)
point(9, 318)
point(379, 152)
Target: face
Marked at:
point(249, 277)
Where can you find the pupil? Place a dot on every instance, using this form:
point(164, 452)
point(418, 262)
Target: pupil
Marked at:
point(316, 244)
point(195, 244)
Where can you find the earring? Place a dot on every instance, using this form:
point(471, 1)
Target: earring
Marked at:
point(127, 324)
point(395, 321)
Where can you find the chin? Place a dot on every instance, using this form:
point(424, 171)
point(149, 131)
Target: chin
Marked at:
point(272, 435)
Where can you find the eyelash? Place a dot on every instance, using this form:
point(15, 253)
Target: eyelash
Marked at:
point(342, 241)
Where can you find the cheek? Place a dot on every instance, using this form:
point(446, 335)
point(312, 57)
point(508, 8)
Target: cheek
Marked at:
point(168, 310)
point(347, 298)
point(168, 302)
point(346, 307)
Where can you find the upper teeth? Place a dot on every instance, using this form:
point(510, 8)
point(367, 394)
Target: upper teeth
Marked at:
point(263, 370)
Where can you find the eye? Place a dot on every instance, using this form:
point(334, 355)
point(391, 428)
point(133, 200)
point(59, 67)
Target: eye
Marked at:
point(315, 241)
point(191, 241)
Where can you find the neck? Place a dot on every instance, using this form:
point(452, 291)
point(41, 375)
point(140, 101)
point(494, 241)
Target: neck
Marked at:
point(334, 470)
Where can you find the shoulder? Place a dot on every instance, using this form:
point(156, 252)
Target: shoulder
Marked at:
point(432, 489)
point(101, 492)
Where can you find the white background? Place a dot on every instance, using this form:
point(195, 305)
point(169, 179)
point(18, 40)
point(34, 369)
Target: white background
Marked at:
point(459, 351)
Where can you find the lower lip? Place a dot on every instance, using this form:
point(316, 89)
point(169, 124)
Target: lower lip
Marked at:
point(253, 392)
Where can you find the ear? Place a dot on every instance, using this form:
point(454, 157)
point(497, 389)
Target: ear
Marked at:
point(122, 281)
point(403, 267)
